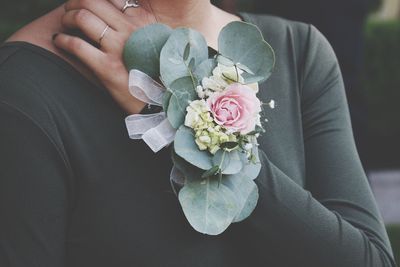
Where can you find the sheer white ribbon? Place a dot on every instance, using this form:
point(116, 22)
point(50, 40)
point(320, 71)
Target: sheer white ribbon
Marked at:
point(154, 129)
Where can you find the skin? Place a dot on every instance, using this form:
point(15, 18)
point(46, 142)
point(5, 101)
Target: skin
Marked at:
point(103, 65)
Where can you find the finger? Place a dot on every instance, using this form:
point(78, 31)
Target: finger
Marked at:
point(92, 26)
point(103, 9)
point(85, 52)
point(141, 15)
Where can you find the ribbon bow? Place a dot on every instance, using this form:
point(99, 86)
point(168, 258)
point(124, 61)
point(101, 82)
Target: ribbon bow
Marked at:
point(154, 129)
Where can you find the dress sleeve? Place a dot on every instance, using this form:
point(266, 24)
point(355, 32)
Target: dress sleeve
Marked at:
point(334, 220)
point(33, 193)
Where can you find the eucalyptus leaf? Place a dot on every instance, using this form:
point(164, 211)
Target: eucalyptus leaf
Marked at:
point(190, 171)
point(182, 92)
point(243, 44)
point(177, 179)
point(211, 172)
point(225, 61)
point(142, 50)
point(209, 207)
point(186, 52)
point(205, 68)
point(166, 98)
point(229, 162)
point(186, 148)
point(172, 57)
point(246, 193)
point(250, 169)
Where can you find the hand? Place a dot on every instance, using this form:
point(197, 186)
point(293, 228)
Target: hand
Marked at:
point(105, 61)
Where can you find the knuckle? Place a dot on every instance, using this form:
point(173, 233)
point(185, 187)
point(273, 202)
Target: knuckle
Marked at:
point(82, 16)
point(86, 3)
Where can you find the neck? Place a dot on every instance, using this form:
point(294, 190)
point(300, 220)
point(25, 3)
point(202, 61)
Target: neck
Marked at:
point(200, 15)
point(195, 14)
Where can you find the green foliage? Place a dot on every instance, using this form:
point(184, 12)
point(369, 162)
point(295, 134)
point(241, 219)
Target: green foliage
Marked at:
point(243, 44)
point(394, 236)
point(246, 193)
point(186, 148)
point(208, 205)
point(182, 92)
point(150, 40)
point(381, 78)
point(183, 51)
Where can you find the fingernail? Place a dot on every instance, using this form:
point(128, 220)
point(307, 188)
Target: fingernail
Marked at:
point(54, 36)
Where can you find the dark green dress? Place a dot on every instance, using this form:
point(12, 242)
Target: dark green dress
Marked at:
point(76, 191)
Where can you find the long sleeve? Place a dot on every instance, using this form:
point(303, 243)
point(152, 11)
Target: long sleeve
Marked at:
point(33, 193)
point(334, 220)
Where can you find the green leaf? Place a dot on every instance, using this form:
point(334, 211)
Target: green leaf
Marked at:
point(182, 93)
point(252, 169)
point(208, 206)
point(187, 52)
point(166, 98)
point(246, 193)
point(142, 50)
point(190, 171)
point(229, 162)
point(243, 44)
point(205, 68)
point(172, 63)
point(225, 61)
point(211, 172)
point(191, 64)
point(186, 148)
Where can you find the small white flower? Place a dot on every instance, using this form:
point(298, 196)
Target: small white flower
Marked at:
point(271, 104)
point(200, 91)
point(205, 139)
point(248, 146)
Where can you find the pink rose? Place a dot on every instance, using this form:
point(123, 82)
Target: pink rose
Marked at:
point(236, 108)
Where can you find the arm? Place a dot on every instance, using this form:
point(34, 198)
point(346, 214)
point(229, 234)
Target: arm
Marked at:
point(33, 193)
point(335, 220)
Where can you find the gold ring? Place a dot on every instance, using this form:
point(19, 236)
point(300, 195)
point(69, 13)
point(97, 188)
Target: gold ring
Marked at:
point(103, 34)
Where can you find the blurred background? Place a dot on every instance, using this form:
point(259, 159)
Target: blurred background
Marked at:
point(365, 35)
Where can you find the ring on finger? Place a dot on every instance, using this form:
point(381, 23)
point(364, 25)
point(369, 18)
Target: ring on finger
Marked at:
point(129, 4)
point(103, 34)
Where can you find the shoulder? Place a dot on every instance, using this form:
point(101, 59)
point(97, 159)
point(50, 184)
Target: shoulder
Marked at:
point(24, 74)
point(298, 43)
point(25, 88)
point(278, 31)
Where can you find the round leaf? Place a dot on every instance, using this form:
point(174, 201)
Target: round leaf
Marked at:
point(143, 48)
point(182, 93)
point(186, 148)
point(246, 193)
point(209, 206)
point(230, 162)
point(244, 45)
point(251, 169)
point(190, 171)
point(183, 46)
point(205, 68)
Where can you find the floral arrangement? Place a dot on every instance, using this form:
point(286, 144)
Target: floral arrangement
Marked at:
point(210, 111)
